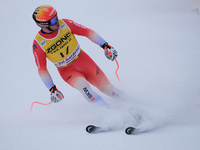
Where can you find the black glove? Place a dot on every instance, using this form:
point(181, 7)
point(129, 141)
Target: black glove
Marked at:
point(56, 96)
point(105, 45)
point(109, 51)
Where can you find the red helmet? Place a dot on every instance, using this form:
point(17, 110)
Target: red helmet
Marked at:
point(45, 16)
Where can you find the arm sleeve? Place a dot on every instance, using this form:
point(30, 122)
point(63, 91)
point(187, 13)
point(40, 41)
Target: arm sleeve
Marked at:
point(81, 30)
point(40, 60)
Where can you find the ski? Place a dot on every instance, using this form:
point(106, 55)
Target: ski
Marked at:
point(97, 129)
point(93, 129)
point(130, 130)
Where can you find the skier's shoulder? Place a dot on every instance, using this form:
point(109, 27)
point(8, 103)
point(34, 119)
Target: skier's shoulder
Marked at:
point(72, 23)
point(37, 35)
point(37, 40)
point(66, 21)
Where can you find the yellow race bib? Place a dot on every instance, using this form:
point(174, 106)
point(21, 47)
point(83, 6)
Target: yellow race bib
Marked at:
point(63, 49)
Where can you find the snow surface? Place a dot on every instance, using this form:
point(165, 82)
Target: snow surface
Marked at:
point(159, 49)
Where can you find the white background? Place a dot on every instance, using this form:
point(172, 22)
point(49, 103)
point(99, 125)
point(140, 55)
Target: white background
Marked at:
point(159, 56)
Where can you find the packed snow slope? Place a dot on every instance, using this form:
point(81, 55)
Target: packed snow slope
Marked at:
point(158, 44)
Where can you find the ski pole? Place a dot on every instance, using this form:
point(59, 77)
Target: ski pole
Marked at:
point(38, 103)
point(117, 70)
point(110, 54)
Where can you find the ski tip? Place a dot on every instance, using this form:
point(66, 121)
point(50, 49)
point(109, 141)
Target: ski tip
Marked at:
point(90, 128)
point(130, 130)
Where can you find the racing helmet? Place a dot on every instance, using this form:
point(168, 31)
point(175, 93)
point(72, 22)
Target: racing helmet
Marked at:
point(45, 15)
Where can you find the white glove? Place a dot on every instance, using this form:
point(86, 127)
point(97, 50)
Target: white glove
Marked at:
point(109, 51)
point(56, 96)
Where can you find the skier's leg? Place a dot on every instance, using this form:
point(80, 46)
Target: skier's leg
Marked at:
point(92, 96)
point(95, 75)
point(107, 87)
point(79, 82)
point(103, 84)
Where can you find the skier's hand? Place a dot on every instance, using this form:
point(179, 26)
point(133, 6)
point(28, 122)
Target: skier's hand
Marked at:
point(109, 51)
point(56, 95)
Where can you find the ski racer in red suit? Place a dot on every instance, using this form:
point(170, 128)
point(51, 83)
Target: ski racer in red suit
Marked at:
point(56, 42)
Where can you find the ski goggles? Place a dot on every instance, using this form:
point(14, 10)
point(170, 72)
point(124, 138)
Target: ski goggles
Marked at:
point(51, 22)
point(54, 20)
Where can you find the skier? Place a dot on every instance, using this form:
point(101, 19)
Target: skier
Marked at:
point(56, 41)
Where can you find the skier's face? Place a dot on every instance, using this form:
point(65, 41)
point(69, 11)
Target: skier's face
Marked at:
point(54, 23)
point(55, 27)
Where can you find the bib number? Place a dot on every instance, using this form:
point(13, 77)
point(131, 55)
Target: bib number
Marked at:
point(67, 52)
